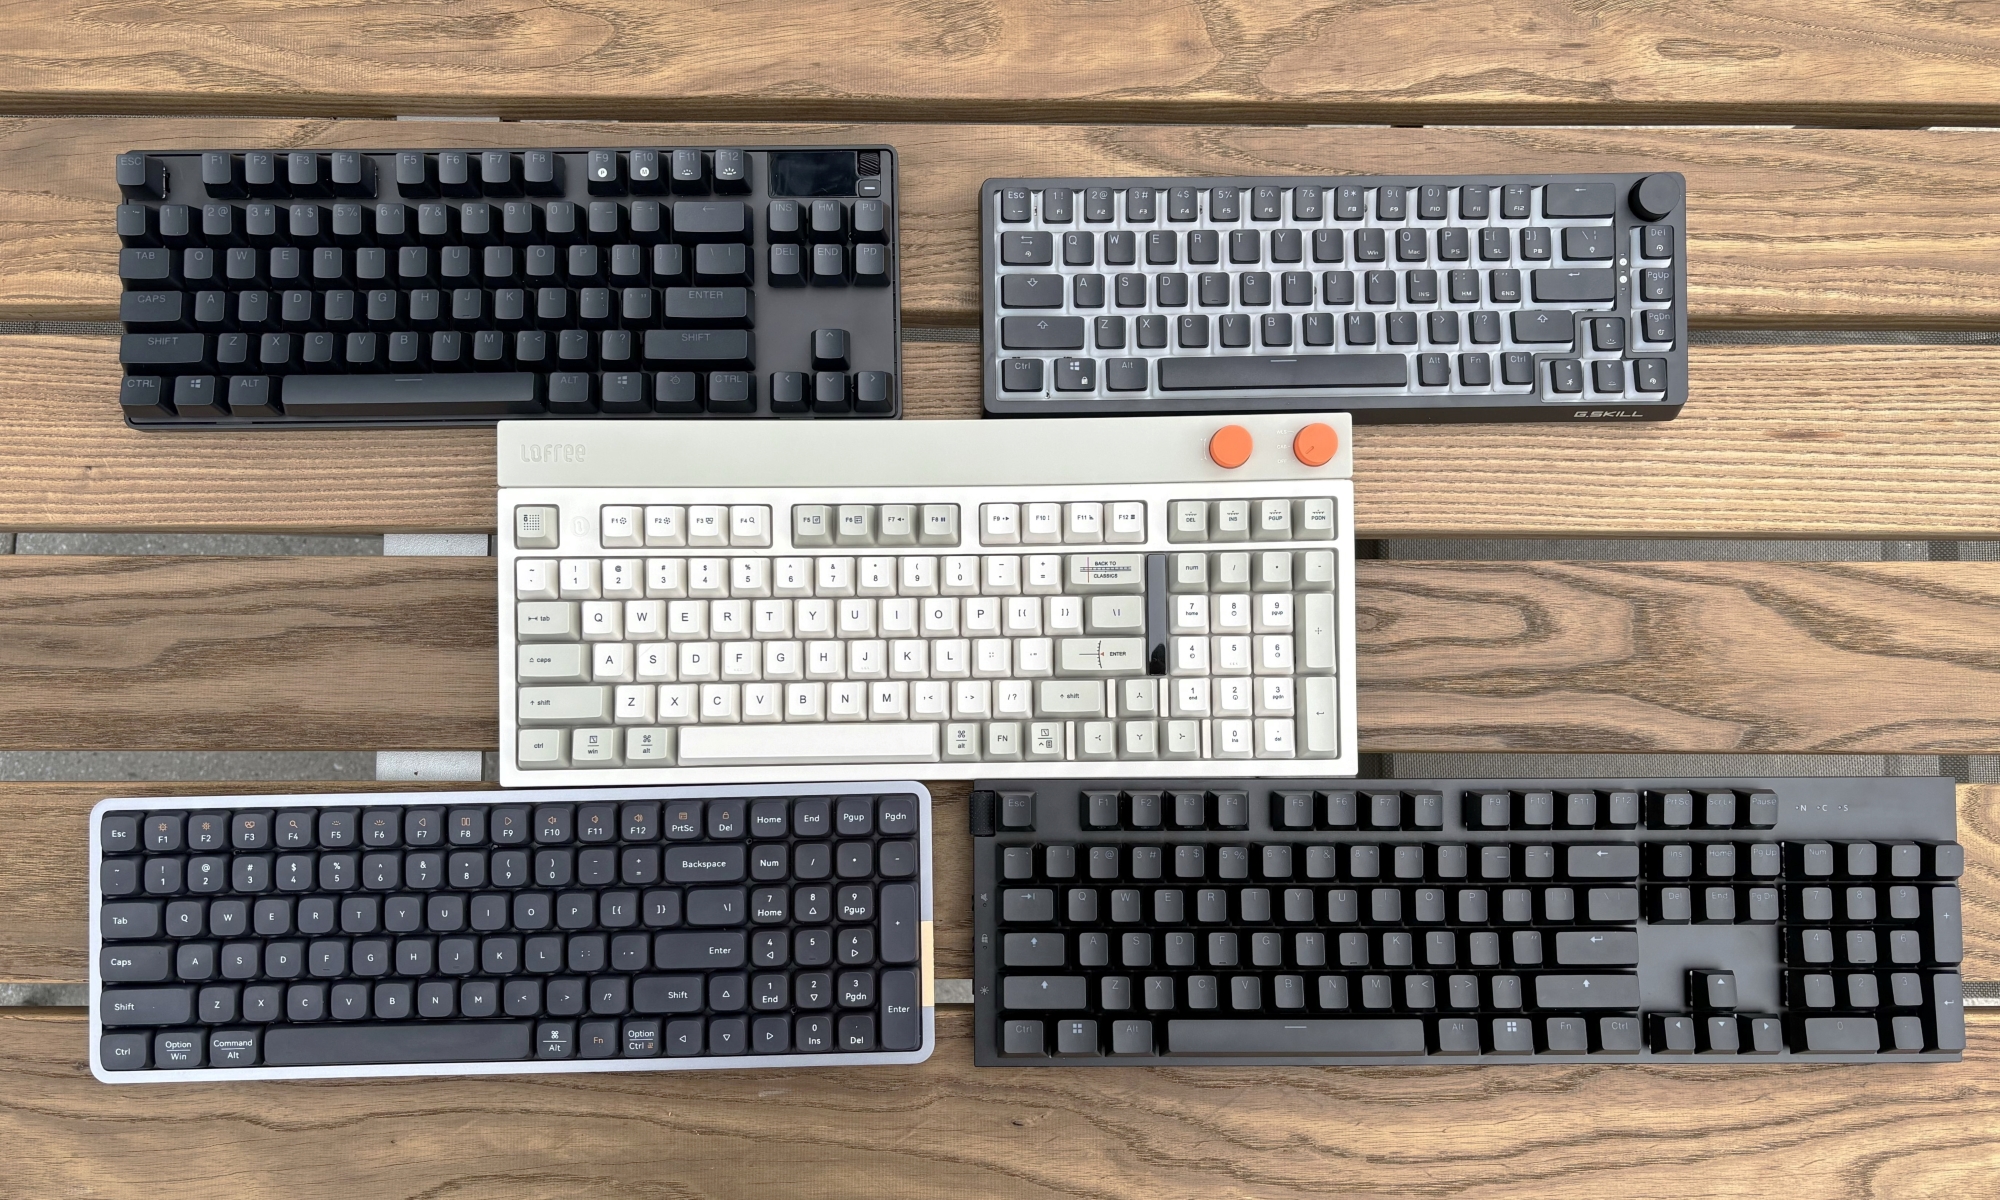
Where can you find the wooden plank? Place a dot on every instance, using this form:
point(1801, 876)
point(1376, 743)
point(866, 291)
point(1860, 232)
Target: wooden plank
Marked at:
point(368, 653)
point(1790, 227)
point(1779, 441)
point(44, 878)
point(944, 1128)
point(1873, 63)
point(317, 653)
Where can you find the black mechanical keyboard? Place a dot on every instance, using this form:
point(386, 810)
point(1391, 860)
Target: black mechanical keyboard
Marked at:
point(415, 287)
point(1414, 921)
point(1408, 298)
point(333, 936)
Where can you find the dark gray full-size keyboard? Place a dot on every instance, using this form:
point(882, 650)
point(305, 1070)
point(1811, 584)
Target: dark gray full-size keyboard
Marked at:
point(1395, 298)
point(438, 287)
point(433, 933)
point(1433, 921)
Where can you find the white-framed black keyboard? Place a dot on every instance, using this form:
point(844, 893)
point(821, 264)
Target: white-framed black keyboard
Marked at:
point(1409, 921)
point(1395, 298)
point(452, 933)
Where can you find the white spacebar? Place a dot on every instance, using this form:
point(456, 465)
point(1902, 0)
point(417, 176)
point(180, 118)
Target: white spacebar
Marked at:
point(754, 745)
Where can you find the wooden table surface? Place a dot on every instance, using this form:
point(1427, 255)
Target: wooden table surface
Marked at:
point(1819, 200)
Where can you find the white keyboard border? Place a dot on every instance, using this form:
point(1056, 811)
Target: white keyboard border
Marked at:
point(274, 800)
point(582, 541)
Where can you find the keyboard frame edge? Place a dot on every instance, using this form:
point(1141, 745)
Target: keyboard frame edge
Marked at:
point(1367, 408)
point(1921, 798)
point(928, 984)
point(891, 171)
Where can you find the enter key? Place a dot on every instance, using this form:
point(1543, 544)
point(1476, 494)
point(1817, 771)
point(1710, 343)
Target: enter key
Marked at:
point(1597, 947)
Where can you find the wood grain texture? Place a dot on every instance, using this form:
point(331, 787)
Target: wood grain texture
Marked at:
point(302, 653)
point(1879, 658)
point(45, 891)
point(1880, 62)
point(374, 653)
point(1788, 227)
point(1797, 441)
point(945, 1129)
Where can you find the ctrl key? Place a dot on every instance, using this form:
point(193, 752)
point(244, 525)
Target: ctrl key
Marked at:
point(143, 398)
point(125, 1051)
point(1023, 1039)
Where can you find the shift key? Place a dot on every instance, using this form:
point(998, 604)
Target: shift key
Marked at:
point(148, 1006)
point(705, 304)
point(1587, 991)
point(1041, 333)
point(1029, 992)
point(707, 346)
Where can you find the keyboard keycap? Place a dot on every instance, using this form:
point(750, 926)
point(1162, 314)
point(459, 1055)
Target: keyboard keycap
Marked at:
point(1301, 371)
point(385, 397)
point(1305, 1037)
point(352, 1044)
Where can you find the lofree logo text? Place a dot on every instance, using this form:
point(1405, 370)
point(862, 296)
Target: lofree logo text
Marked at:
point(553, 452)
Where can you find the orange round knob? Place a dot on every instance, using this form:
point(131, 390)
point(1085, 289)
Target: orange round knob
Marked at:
point(1230, 447)
point(1316, 444)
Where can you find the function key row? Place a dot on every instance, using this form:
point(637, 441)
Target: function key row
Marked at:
point(1425, 809)
point(1305, 202)
point(508, 824)
point(227, 175)
point(1076, 523)
point(816, 525)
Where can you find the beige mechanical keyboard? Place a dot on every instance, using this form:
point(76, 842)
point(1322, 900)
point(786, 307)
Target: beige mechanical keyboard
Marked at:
point(717, 602)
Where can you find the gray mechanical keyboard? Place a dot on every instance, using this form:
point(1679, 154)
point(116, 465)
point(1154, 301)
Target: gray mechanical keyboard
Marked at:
point(1408, 298)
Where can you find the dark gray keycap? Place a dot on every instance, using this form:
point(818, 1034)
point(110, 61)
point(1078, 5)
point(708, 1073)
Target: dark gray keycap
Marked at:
point(145, 963)
point(1236, 372)
point(1541, 326)
point(1044, 992)
point(901, 1017)
point(1596, 947)
point(1301, 1038)
point(704, 864)
point(147, 1006)
point(1042, 333)
point(1028, 904)
point(346, 1044)
point(699, 951)
point(1022, 1038)
point(1602, 862)
point(1947, 926)
point(372, 397)
point(899, 921)
point(1023, 290)
point(1841, 1035)
point(130, 919)
point(1574, 285)
point(1587, 991)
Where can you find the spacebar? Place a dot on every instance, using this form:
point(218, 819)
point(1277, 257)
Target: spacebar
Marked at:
point(752, 745)
point(337, 1045)
point(379, 396)
point(1291, 371)
point(1296, 1037)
